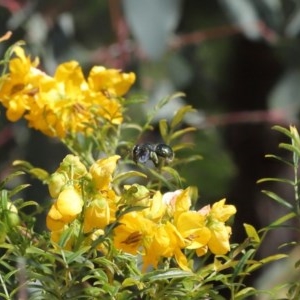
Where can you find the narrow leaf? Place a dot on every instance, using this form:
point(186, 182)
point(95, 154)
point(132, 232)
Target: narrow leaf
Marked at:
point(179, 115)
point(246, 292)
point(283, 130)
point(289, 147)
point(181, 132)
point(282, 220)
point(242, 262)
point(163, 129)
point(18, 189)
point(279, 159)
point(273, 258)
point(272, 179)
point(278, 199)
point(77, 256)
point(39, 173)
point(127, 175)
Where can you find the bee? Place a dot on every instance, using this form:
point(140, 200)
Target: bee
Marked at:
point(142, 153)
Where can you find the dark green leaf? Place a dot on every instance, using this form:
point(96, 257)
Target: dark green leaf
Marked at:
point(77, 256)
point(241, 263)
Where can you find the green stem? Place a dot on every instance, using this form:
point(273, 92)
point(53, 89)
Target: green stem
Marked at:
point(4, 287)
point(296, 188)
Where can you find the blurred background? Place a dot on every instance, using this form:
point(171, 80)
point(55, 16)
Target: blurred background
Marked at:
point(237, 62)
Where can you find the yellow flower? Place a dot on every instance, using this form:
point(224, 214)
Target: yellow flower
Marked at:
point(111, 82)
point(102, 171)
point(66, 103)
point(216, 216)
point(191, 226)
point(66, 208)
point(156, 208)
point(54, 219)
point(178, 201)
point(219, 242)
point(19, 87)
point(60, 107)
point(96, 215)
point(108, 109)
point(69, 203)
point(166, 242)
point(133, 232)
point(222, 212)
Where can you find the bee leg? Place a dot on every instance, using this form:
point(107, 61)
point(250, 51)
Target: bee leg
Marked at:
point(154, 158)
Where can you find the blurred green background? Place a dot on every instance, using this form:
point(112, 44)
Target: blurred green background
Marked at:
point(237, 62)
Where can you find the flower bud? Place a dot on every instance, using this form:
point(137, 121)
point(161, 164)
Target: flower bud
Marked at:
point(97, 215)
point(69, 204)
point(13, 219)
point(72, 163)
point(56, 183)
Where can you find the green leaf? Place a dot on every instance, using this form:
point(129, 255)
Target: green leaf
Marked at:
point(181, 146)
point(39, 173)
point(186, 160)
point(246, 292)
point(272, 179)
point(181, 132)
point(128, 175)
point(77, 256)
point(65, 236)
point(27, 203)
point(137, 127)
point(179, 115)
point(277, 198)
point(283, 130)
point(169, 274)
point(163, 129)
point(173, 173)
point(162, 179)
point(274, 257)
point(131, 282)
point(96, 274)
point(242, 262)
point(264, 261)
point(279, 159)
point(251, 232)
point(158, 106)
point(18, 189)
point(10, 177)
point(290, 147)
point(22, 163)
point(282, 220)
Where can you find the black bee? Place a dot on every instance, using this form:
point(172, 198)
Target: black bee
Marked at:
point(144, 152)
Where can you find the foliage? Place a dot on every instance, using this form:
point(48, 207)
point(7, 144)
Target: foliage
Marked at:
point(116, 230)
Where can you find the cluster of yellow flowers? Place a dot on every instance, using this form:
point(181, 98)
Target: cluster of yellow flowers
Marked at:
point(86, 201)
point(162, 229)
point(66, 103)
